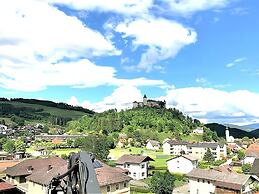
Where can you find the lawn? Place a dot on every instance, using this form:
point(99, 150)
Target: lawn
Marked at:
point(58, 152)
point(67, 151)
point(158, 156)
point(195, 138)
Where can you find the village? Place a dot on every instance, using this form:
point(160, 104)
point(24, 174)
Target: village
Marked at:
point(229, 166)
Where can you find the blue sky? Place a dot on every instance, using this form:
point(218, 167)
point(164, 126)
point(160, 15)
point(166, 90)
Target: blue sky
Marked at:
point(200, 56)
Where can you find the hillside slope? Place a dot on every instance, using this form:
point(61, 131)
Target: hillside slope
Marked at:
point(139, 123)
point(31, 110)
point(235, 132)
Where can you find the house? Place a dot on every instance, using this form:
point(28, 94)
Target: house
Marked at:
point(196, 150)
point(113, 180)
point(174, 147)
point(251, 153)
point(149, 103)
point(198, 131)
point(137, 165)
point(233, 147)
point(153, 145)
point(7, 163)
point(255, 167)
point(3, 129)
point(18, 174)
point(34, 175)
point(203, 181)
point(6, 188)
point(181, 164)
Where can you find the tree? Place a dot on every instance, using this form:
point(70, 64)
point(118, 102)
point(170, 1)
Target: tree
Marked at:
point(162, 183)
point(241, 154)
point(208, 156)
point(246, 168)
point(19, 145)
point(9, 146)
point(96, 144)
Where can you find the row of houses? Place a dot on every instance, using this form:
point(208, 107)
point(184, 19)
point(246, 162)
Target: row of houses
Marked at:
point(196, 150)
point(33, 176)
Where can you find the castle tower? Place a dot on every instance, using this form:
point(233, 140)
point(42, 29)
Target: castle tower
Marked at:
point(145, 100)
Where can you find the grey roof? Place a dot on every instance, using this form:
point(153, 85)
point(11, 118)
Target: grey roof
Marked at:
point(205, 144)
point(154, 143)
point(255, 167)
point(134, 159)
point(188, 157)
point(229, 180)
point(175, 142)
point(30, 166)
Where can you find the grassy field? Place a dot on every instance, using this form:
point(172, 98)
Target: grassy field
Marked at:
point(58, 152)
point(51, 110)
point(196, 138)
point(158, 156)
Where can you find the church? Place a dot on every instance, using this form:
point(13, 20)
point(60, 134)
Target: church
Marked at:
point(149, 103)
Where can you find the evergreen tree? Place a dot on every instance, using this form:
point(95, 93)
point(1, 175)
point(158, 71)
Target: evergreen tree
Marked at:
point(208, 156)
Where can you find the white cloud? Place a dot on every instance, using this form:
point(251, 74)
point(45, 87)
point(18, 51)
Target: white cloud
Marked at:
point(41, 46)
point(129, 7)
point(81, 74)
point(206, 104)
point(215, 105)
point(202, 80)
point(121, 98)
point(236, 61)
point(187, 7)
point(162, 44)
point(73, 101)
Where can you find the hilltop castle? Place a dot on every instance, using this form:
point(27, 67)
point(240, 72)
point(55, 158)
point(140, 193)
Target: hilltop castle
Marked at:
point(149, 103)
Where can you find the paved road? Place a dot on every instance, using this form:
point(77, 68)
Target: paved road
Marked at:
point(182, 189)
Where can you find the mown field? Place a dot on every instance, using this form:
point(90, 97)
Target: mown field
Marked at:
point(46, 109)
point(158, 156)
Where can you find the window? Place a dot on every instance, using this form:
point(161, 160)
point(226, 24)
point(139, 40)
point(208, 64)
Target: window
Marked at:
point(142, 165)
point(124, 165)
point(128, 165)
point(117, 186)
point(203, 181)
point(108, 188)
point(134, 174)
point(124, 184)
point(208, 182)
point(143, 174)
point(198, 180)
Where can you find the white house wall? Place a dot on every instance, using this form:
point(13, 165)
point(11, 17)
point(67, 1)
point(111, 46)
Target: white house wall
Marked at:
point(201, 187)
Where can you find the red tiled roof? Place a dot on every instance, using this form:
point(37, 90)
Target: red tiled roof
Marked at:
point(6, 186)
point(6, 164)
point(109, 175)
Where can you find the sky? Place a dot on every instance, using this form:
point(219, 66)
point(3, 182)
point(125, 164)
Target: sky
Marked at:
point(201, 56)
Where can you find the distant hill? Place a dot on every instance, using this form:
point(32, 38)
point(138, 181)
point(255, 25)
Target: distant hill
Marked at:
point(18, 110)
point(235, 132)
point(252, 126)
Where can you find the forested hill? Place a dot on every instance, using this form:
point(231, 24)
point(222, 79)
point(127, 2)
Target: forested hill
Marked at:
point(17, 111)
point(235, 132)
point(152, 123)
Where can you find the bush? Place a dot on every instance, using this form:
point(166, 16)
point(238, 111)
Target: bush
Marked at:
point(218, 162)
